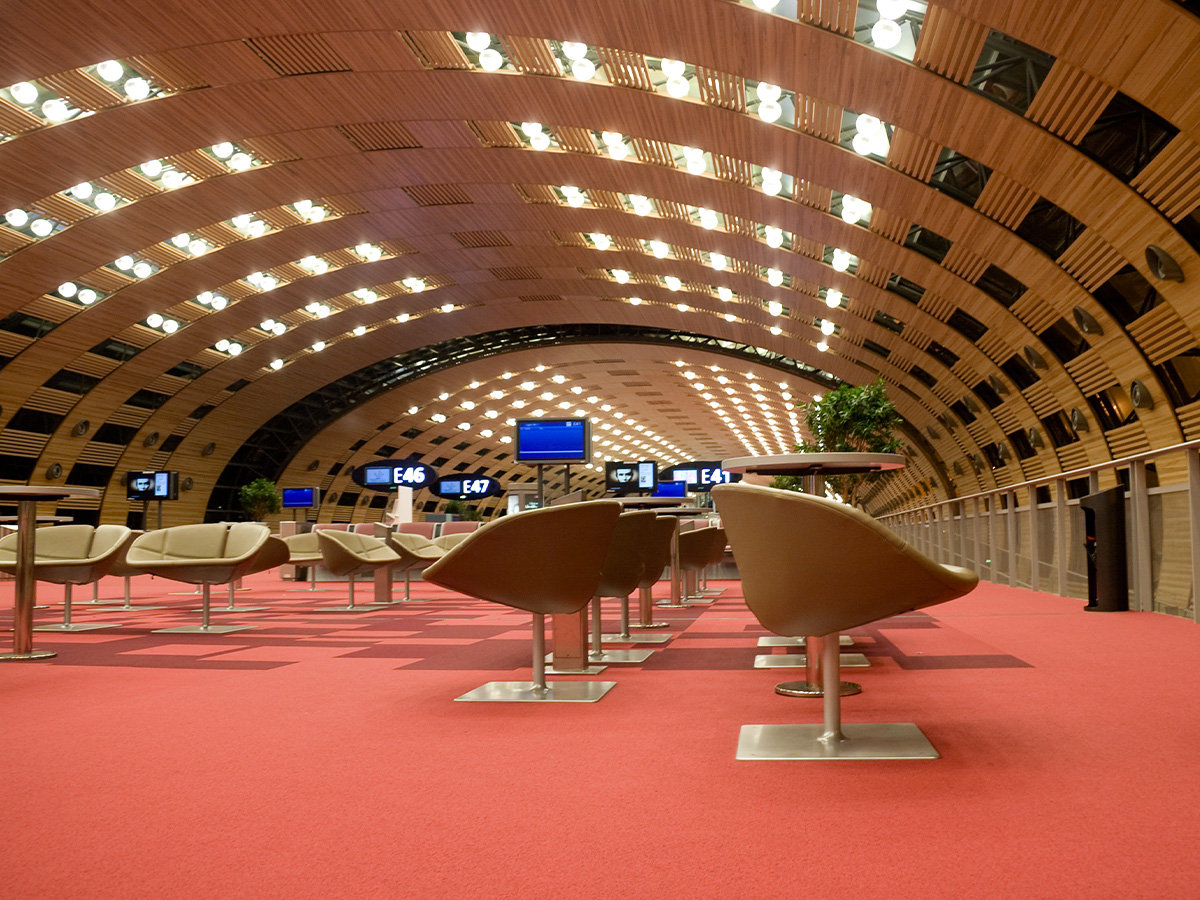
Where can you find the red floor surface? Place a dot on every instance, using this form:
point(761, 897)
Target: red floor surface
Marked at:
point(321, 755)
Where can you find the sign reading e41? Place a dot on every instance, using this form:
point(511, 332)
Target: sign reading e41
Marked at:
point(390, 473)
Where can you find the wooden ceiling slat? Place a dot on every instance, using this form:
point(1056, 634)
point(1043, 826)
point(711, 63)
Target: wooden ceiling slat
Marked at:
point(436, 49)
point(871, 272)
point(1090, 371)
point(269, 149)
point(721, 89)
point(890, 225)
point(577, 140)
point(198, 164)
point(1005, 200)
point(913, 154)
point(811, 194)
point(298, 54)
point(832, 15)
point(50, 400)
point(818, 118)
point(1091, 259)
point(1161, 334)
point(1069, 101)
point(729, 168)
point(949, 43)
point(1171, 181)
point(937, 305)
point(532, 55)
point(964, 262)
point(1127, 440)
point(82, 90)
point(11, 241)
point(22, 443)
point(226, 62)
point(129, 184)
point(625, 68)
point(14, 120)
point(62, 209)
point(106, 279)
point(372, 51)
point(167, 71)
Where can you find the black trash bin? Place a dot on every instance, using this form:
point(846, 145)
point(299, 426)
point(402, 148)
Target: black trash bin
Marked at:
point(1104, 544)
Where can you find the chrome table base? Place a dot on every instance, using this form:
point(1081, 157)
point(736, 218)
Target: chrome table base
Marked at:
point(808, 689)
point(884, 741)
point(637, 638)
point(778, 640)
point(530, 692)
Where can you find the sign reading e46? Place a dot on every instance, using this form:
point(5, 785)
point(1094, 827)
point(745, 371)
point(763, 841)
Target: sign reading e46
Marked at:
point(384, 475)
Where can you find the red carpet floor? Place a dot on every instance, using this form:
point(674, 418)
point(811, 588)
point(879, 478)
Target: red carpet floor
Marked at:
point(321, 755)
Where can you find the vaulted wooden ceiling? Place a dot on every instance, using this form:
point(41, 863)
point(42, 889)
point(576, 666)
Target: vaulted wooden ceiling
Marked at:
point(288, 238)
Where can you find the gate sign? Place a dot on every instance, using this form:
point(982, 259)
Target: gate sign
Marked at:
point(465, 487)
point(700, 477)
point(390, 473)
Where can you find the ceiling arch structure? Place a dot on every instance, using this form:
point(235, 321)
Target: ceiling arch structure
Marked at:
point(214, 218)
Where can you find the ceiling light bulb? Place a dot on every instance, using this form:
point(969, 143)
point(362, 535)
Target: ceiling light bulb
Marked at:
point(886, 34)
point(827, 327)
point(82, 191)
point(725, 294)
point(841, 260)
point(478, 40)
point(490, 60)
point(137, 89)
point(672, 67)
point(620, 276)
point(583, 69)
point(635, 301)
point(24, 93)
point(659, 249)
point(41, 227)
point(774, 236)
point(602, 241)
point(775, 308)
point(891, 9)
point(540, 141)
point(574, 50)
point(222, 150)
point(277, 364)
point(154, 320)
point(67, 289)
point(708, 219)
point(766, 5)
point(776, 330)
point(678, 86)
point(717, 261)
point(17, 218)
point(56, 110)
point(833, 298)
point(673, 283)
point(822, 346)
point(774, 277)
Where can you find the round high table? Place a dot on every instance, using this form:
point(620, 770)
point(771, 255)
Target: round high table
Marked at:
point(813, 467)
point(27, 498)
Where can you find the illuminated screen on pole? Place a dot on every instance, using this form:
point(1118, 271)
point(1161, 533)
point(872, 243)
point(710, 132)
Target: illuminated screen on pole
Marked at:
point(559, 441)
point(300, 498)
point(152, 486)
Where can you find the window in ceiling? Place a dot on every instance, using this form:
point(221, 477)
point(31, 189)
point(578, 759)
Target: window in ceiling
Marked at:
point(17, 468)
point(1021, 372)
point(883, 320)
point(348, 498)
point(922, 376)
point(944, 355)
point(985, 392)
point(877, 349)
point(1009, 72)
point(71, 382)
point(890, 26)
point(1189, 227)
point(30, 326)
point(1127, 295)
point(146, 399)
point(171, 443)
point(334, 469)
point(187, 370)
point(992, 452)
point(385, 451)
point(117, 350)
point(1126, 137)
point(959, 176)
point(1020, 443)
point(909, 290)
point(35, 421)
point(1058, 427)
point(1049, 228)
point(1112, 408)
point(110, 433)
point(1064, 340)
point(964, 414)
point(90, 475)
point(1000, 286)
point(927, 242)
point(1180, 377)
point(968, 326)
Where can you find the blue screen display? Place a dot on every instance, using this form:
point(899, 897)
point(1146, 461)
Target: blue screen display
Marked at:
point(552, 440)
point(378, 475)
point(299, 498)
point(671, 489)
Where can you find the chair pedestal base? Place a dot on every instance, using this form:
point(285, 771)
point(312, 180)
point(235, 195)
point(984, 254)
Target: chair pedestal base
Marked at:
point(31, 654)
point(882, 741)
point(808, 689)
point(73, 626)
point(800, 661)
point(529, 692)
point(586, 670)
point(358, 607)
point(619, 657)
point(203, 629)
point(778, 640)
point(636, 638)
point(650, 625)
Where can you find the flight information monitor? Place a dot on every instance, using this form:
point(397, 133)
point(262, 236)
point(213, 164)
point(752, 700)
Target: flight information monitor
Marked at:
point(557, 441)
point(301, 498)
point(152, 486)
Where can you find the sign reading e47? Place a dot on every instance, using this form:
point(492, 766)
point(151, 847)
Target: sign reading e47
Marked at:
point(466, 487)
point(390, 473)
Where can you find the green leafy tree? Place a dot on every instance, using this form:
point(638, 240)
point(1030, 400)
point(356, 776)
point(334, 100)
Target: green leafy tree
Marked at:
point(260, 498)
point(848, 419)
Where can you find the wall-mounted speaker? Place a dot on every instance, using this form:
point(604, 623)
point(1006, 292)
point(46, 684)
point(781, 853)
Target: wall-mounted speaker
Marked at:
point(54, 472)
point(150, 440)
point(1140, 395)
point(1086, 322)
point(1078, 420)
point(80, 428)
point(1162, 264)
point(1034, 358)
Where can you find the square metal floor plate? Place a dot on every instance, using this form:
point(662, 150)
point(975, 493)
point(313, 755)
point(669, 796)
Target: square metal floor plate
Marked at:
point(902, 740)
point(800, 660)
point(523, 692)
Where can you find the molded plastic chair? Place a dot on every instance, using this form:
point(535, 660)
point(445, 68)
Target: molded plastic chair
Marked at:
point(544, 561)
point(619, 577)
point(424, 529)
point(271, 555)
point(415, 552)
point(350, 554)
point(69, 555)
point(206, 554)
point(458, 526)
point(121, 569)
point(815, 567)
point(698, 549)
point(656, 555)
point(304, 552)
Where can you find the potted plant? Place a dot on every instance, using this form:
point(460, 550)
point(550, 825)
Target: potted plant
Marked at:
point(848, 419)
point(260, 498)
